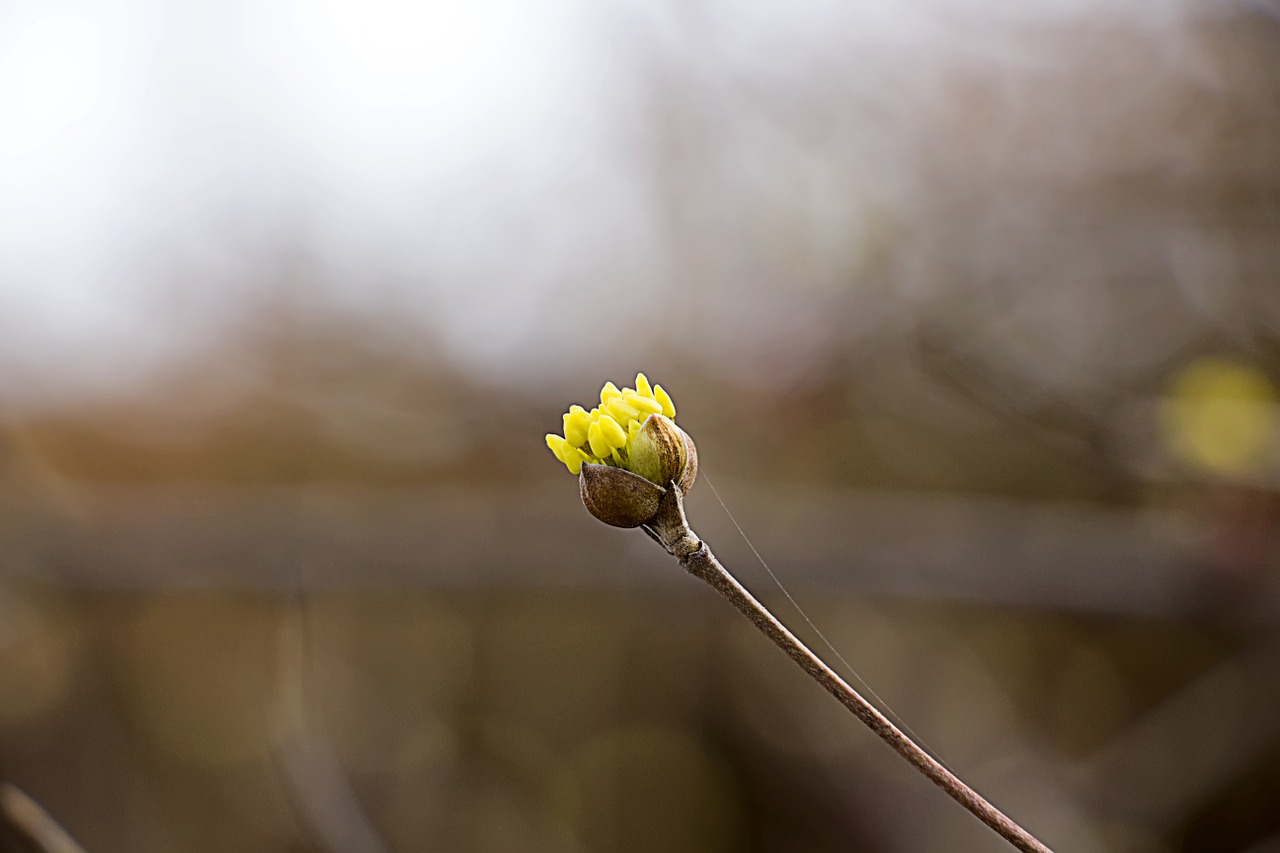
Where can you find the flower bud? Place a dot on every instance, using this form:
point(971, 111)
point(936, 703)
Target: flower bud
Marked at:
point(627, 452)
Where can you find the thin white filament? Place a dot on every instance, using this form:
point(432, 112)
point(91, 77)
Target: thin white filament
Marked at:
point(805, 616)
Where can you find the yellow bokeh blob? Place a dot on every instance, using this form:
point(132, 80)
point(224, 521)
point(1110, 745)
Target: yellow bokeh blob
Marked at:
point(1220, 416)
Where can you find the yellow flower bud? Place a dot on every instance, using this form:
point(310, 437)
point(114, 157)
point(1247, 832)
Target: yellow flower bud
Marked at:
point(599, 446)
point(668, 407)
point(621, 410)
point(571, 456)
point(608, 392)
point(573, 459)
point(643, 387)
point(643, 405)
point(576, 423)
point(612, 432)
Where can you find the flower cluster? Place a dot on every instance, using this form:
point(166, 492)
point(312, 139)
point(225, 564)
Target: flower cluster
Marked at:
point(630, 457)
point(606, 434)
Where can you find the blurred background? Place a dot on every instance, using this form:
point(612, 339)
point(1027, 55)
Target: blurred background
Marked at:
point(973, 309)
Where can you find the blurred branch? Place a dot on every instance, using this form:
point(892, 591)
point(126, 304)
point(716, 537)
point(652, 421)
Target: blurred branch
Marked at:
point(1192, 744)
point(32, 823)
point(1089, 558)
point(318, 787)
point(1003, 394)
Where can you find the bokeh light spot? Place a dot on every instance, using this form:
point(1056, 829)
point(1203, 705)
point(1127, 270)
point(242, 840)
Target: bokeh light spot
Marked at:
point(1220, 416)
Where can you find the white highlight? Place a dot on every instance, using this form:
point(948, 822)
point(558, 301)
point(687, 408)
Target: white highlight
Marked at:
point(402, 37)
point(50, 77)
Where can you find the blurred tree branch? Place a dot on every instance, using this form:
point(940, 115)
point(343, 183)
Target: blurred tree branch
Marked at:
point(35, 828)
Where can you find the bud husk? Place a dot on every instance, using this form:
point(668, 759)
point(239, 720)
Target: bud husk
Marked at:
point(690, 471)
point(658, 452)
point(618, 497)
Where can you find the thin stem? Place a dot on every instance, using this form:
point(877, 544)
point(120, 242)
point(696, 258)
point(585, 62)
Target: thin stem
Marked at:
point(701, 563)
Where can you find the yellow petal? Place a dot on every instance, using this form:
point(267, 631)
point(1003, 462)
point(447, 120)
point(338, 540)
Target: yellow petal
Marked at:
point(599, 446)
point(556, 443)
point(643, 405)
point(668, 407)
point(612, 432)
point(643, 387)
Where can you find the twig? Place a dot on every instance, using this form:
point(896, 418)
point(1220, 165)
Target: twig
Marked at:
point(672, 531)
